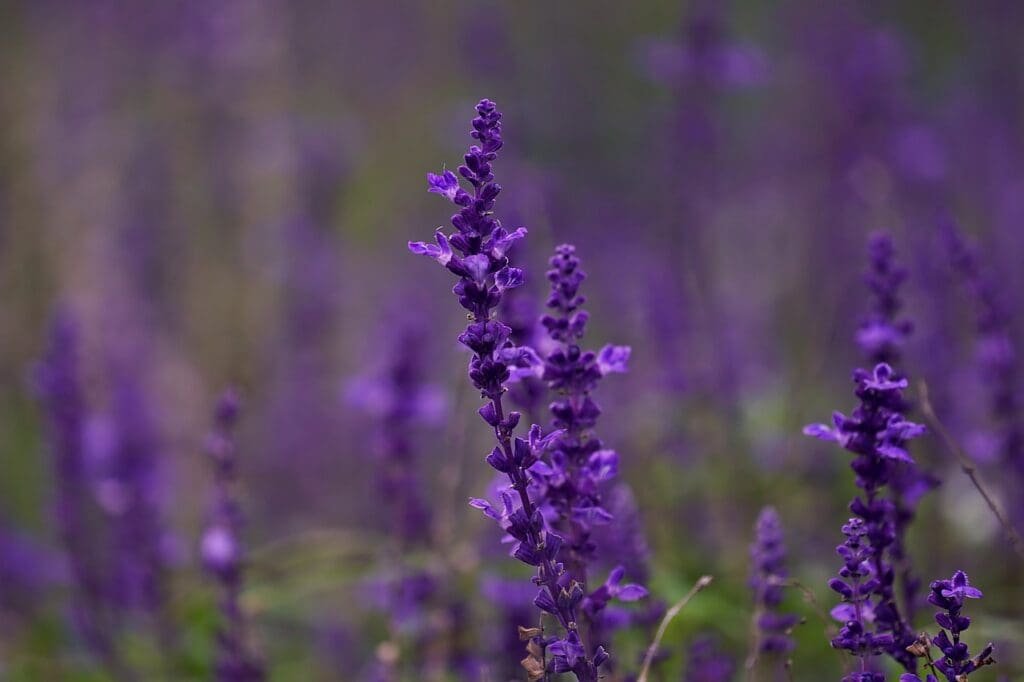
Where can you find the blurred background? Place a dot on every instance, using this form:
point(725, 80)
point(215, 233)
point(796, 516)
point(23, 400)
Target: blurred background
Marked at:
point(220, 193)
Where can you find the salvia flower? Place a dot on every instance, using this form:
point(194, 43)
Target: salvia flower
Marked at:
point(956, 662)
point(768, 571)
point(57, 383)
point(477, 253)
point(221, 550)
point(856, 584)
point(882, 336)
point(877, 434)
point(569, 484)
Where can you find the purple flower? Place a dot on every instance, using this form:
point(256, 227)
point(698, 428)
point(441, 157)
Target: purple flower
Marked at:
point(479, 258)
point(570, 482)
point(768, 558)
point(221, 551)
point(56, 380)
point(876, 433)
point(856, 584)
point(881, 336)
point(956, 662)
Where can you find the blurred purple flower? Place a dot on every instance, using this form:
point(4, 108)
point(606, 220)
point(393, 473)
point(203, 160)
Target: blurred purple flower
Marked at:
point(221, 549)
point(768, 571)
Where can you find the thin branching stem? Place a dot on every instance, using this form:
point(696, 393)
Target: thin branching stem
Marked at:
point(970, 468)
point(703, 582)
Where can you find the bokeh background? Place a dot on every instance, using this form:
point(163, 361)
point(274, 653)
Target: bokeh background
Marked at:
point(220, 193)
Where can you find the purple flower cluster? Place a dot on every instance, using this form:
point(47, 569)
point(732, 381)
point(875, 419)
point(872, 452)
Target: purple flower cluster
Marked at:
point(477, 254)
point(221, 550)
point(570, 483)
point(768, 559)
point(856, 584)
point(876, 433)
point(956, 662)
point(882, 336)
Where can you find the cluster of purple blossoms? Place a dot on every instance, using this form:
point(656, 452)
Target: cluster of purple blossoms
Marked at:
point(956, 662)
point(221, 550)
point(477, 254)
point(856, 584)
point(877, 434)
point(768, 559)
point(882, 336)
point(569, 485)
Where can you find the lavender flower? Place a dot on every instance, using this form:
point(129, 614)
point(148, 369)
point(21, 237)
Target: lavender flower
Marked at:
point(768, 558)
point(956, 662)
point(856, 583)
point(221, 550)
point(476, 254)
point(57, 383)
point(881, 336)
point(876, 433)
point(569, 484)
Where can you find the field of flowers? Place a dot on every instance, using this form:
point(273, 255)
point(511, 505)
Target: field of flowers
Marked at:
point(478, 341)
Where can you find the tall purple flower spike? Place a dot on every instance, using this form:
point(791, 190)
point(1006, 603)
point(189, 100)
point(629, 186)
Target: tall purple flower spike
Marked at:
point(768, 570)
point(882, 336)
point(476, 253)
point(569, 484)
point(877, 434)
point(221, 550)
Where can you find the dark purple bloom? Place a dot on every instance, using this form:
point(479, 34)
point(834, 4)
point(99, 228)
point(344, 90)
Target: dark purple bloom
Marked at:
point(221, 550)
point(956, 662)
point(856, 585)
point(768, 571)
point(877, 434)
point(881, 336)
point(476, 253)
point(569, 483)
